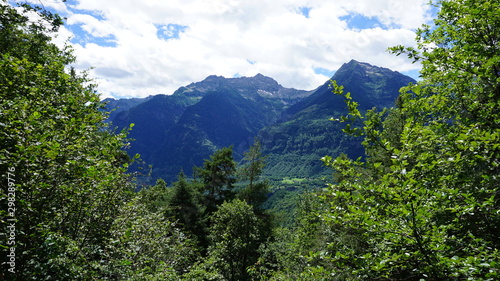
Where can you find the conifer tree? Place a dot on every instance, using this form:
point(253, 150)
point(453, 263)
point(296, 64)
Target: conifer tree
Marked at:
point(255, 193)
point(184, 207)
point(218, 177)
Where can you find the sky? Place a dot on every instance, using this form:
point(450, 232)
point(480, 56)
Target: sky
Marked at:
point(140, 48)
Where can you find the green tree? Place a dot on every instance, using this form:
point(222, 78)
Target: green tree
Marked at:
point(65, 168)
point(184, 206)
point(254, 163)
point(155, 198)
point(146, 245)
point(234, 239)
point(297, 252)
point(218, 177)
point(425, 203)
point(255, 193)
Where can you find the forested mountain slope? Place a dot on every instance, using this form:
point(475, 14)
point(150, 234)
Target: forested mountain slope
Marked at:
point(179, 131)
point(296, 145)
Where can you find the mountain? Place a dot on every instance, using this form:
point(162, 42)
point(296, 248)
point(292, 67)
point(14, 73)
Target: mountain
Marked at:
point(178, 131)
point(117, 106)
point(259, 85)
point(152, 120)
point(296, 145)
point(181, 130)
point(369, 85)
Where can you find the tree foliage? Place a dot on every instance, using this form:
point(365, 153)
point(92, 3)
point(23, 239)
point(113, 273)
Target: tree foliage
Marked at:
point(255, 193)
point(235, 238)
point(424, 204)
point(67, 168)
point(146, 245)
point(218, 176)
point(185, 206)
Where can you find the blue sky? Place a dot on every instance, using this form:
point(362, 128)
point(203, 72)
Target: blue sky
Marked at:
point(140, 48)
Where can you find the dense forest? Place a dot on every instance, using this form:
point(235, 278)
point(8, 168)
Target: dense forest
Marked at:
point(422, 204)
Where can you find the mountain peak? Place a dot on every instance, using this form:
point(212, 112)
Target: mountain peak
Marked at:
point(245, 80)
point(354, 63)
point(254, 87)
point(371, 86)
point(262, 79)
point(364, 69)
point(260, 76)
point(212, 78)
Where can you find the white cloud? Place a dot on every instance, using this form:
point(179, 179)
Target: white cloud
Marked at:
point(126, 41)
point(404, 13)
point(91, 25)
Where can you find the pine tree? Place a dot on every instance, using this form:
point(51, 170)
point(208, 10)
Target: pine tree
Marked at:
point(218, 177)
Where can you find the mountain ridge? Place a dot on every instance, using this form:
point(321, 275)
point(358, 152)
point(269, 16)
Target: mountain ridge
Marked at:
point(178, 131)
point(305, 134)
point(248, 86)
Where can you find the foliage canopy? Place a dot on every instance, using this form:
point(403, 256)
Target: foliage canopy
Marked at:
point(422, 205)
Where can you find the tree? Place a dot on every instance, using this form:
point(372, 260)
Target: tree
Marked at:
point(184, 206)
point(218, 177)
point(254, 163)
point(234, 239)
point(155, 198)
point(145, 245)
point(255, 193)
point(65, 169)
point(424, 205)
point(296, 253)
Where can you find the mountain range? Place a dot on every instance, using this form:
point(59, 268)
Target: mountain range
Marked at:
point(179, 131)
